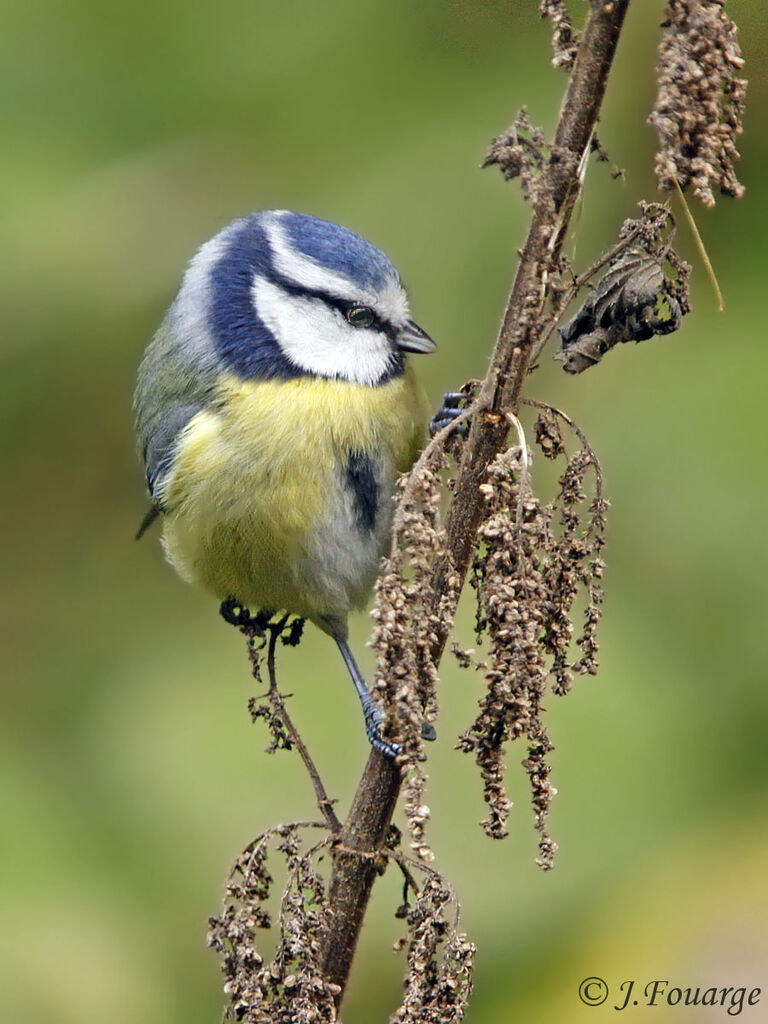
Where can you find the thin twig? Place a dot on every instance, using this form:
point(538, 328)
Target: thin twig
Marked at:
point(324, 803)
point(409, 881)
point(260, 841)
point(403, 861)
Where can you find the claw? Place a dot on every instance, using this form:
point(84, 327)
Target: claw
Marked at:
point(453, 399)
point(373, 723)
point(447, 413)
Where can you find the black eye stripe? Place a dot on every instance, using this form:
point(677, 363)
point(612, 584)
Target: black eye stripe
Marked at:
point(342, 306)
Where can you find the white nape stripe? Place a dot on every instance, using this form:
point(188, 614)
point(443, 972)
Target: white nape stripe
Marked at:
point(308, 273)
point(390, 302)
point(318, 339)
point(192, 304)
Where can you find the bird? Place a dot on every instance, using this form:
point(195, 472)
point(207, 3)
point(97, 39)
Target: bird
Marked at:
point(275, 408)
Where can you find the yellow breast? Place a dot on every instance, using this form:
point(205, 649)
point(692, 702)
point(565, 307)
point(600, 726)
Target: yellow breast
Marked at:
point(256, 475)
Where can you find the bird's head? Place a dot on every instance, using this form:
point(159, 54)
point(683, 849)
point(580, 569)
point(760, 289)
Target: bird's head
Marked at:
point(280, 295)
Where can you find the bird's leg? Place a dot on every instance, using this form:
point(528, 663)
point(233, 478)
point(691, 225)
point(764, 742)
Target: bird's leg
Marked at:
point(371, 711)
point(448, 411)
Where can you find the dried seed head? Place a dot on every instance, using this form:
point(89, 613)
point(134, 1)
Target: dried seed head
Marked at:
point(290, 989)
point(531, 563)
point(405, 632)
point(520, 152)
point(440, 958)
point(700, 103)
point(548, 435)
point(565, 42)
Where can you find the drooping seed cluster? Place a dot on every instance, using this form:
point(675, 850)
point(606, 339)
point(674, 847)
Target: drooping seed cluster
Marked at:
point(290, 989)
point(532, 562)
point(405, 631)
point(700, 102)
point(440, 959)
point(565, 42)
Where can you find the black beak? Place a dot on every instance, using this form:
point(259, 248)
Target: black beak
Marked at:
point(411, 338)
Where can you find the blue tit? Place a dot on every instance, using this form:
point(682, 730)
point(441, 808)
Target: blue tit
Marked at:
point(274, 411)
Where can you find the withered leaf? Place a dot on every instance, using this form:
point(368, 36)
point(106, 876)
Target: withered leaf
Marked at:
point(633, 301)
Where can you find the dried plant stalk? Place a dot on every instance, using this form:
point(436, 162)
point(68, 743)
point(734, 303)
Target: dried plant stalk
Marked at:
point(320, 924)
point(555, 197)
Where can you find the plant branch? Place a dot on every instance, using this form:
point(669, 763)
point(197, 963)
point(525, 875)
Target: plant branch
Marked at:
point(355, 861)
point(354, 869)
point(556, 197)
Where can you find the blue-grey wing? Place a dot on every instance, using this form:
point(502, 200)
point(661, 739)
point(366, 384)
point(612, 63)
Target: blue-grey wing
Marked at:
point(161, 444)
point(175, 382)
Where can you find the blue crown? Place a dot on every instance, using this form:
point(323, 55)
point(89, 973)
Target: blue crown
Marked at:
point(339, 250)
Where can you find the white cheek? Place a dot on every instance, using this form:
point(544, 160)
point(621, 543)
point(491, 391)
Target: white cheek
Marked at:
point(316, 339)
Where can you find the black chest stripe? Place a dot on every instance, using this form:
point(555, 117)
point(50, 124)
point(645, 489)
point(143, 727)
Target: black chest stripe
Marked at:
point(361, 477)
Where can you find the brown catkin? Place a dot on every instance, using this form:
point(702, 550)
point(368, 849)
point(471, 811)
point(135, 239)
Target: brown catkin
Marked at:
point(405, 631)
point(700, 102)
point(440, 960)
point(532, 561)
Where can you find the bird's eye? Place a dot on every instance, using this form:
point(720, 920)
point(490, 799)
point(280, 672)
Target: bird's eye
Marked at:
point(360, 316)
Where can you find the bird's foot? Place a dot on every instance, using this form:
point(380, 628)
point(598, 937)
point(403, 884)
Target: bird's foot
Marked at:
point(447, 413)
point(236, 614)
point(374, 720)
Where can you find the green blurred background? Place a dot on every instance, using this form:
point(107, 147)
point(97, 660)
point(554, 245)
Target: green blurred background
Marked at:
point(130, 773)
